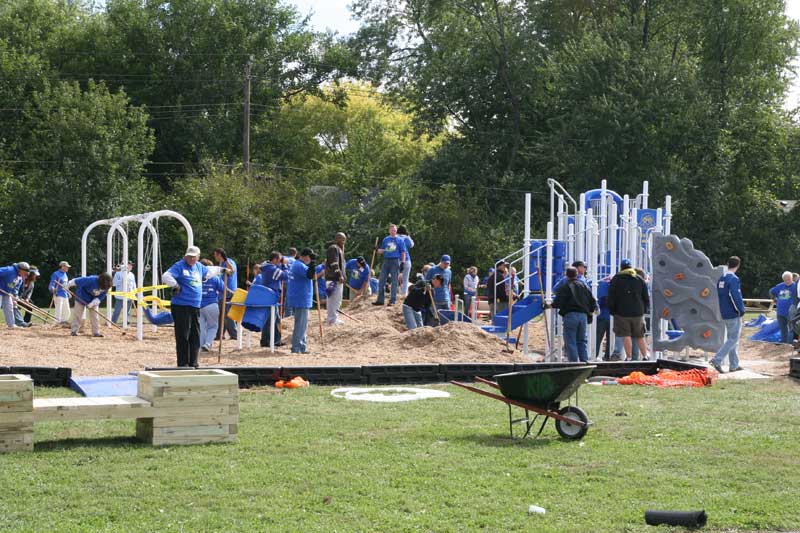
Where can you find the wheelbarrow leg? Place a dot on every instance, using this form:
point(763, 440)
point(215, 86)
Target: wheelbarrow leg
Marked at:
point(541, 428)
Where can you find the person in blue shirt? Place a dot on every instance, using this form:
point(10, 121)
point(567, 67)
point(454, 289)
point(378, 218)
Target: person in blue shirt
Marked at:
point(89, 292)
point(59, 280)
point(274, 274)
point(603, 323)
point(357, 277)
point(731, 307)
point(228, 263)
point(580, 266)
point(300, 296)
point(441, 294)
point(785, 295)
point(393, 249)
point(212, 292)
point(288, 259)
point(186, 279)
point(10, 278)
point(405, 266)
point(322, 287)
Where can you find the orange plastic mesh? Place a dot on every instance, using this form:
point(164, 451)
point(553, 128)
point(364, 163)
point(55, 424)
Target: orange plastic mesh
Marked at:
point(672, 378)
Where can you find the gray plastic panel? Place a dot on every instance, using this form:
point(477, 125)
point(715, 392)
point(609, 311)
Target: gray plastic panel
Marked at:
point(685, 290)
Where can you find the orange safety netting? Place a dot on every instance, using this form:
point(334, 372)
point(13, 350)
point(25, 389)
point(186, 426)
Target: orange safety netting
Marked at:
point(672, 378)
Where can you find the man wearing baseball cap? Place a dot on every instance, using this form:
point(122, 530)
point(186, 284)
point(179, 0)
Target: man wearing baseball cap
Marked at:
point(58, 280)
point(441, 294)
point(186, 279)
point(10, 278)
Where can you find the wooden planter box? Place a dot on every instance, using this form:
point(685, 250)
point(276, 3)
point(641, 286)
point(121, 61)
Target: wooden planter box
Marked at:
point(189, 406)
point(16, 413)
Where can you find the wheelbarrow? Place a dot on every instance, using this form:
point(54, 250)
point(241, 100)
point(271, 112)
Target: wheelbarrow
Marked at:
point(541, 392)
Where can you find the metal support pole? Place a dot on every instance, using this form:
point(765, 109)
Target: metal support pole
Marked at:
point(526, 266)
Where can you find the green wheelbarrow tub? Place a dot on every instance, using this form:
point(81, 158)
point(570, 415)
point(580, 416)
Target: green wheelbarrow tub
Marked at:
point(543, 387)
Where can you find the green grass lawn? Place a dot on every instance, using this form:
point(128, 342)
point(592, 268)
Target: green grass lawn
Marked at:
point(308, 461)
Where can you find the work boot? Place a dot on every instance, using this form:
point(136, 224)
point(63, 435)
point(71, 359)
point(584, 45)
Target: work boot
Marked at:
point(97, 335)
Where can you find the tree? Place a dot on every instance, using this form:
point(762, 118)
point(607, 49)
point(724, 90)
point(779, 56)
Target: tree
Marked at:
point(81, 158)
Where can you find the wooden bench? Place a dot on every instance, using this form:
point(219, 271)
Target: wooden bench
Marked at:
point(171, 407)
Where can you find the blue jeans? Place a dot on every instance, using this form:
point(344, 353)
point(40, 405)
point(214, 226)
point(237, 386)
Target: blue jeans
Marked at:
point(118, 309)
point(209, 324)
point(391, 267)
point(413, 318)
point(575, 336)
point(786, 331)
point(602, 330)
point(299, 332)
point(733, 327)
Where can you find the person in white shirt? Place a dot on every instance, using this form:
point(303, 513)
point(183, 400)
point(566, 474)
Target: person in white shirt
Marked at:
point(119, 277)
point(470, 288)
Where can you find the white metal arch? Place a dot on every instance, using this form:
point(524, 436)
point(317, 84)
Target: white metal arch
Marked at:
point(117, 227)
point(145, 221)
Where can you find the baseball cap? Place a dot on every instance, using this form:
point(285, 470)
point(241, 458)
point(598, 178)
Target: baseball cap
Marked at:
point(306, 252)
point(625, 263)
point(22, 265)
point(192, 251)
point(577, 264)
point(445, 258)
point(360, 260)
point(34, 272)
point(64, 263)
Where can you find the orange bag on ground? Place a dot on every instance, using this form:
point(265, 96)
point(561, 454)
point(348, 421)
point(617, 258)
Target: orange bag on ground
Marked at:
point(695, 377)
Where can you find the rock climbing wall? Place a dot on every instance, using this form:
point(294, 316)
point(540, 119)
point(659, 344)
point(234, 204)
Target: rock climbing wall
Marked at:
point(685, 290)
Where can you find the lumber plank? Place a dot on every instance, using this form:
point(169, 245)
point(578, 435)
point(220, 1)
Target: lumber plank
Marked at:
point(199, 401)
point(210, 390)
point(180, 441)
point(190, 431)
point(15, 395)
point(16, 407)
point(174, 421)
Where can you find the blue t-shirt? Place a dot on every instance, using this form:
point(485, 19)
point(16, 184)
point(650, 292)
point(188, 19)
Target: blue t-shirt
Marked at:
point(62, 278)
point(9, 279)
point(190, 280)
point(393, 246)
point(786, 296)
point(355, 275)
point(87, 289)
point(213, 289)
point(440, 294)
point(321, 286)
point(409, 244)
point(273, 276)
point(300, 290)
point(233, 283)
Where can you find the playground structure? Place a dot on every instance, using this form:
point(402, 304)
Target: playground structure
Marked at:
point(171, 407)
point(119, 226)
point(601, 228)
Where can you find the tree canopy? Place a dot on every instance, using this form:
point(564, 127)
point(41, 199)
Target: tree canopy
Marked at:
point(436, 113)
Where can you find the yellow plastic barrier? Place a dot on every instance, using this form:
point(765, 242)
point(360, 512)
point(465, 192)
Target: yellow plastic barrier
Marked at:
point(236, 312)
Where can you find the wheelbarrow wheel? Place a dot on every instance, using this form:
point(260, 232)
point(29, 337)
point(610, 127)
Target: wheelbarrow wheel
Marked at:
point(572, 431)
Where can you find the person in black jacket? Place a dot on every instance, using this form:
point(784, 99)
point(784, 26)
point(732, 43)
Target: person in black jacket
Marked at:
point(628, 301)
point(575, 304)
point(419, 299)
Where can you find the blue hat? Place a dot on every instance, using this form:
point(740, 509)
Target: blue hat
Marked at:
point(445, 258)
point(625, 263)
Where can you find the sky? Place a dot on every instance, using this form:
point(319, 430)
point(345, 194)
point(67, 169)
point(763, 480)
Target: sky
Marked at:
point(334, 15)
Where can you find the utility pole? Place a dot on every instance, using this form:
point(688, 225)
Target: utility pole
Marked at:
point(246, 123)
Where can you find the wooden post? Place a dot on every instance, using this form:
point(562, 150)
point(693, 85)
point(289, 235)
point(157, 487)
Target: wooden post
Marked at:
point(319, 310)
point(374, 251)
point(222, 315)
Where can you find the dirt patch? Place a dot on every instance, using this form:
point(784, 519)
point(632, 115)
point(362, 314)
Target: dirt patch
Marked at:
point(374, 335)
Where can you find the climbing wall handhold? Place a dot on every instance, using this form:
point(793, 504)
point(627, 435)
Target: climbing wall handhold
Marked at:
point(707, 333)
point(705, 292)
point(669, 246)
point(679, 276)
point(667, 293)
point(665, 312)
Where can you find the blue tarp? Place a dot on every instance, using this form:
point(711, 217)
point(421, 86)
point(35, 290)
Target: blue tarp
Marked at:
point(768, 332)
point(755, 322)
point(96, 387)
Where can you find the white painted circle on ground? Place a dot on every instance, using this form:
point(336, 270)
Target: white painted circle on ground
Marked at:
point(387, 394)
